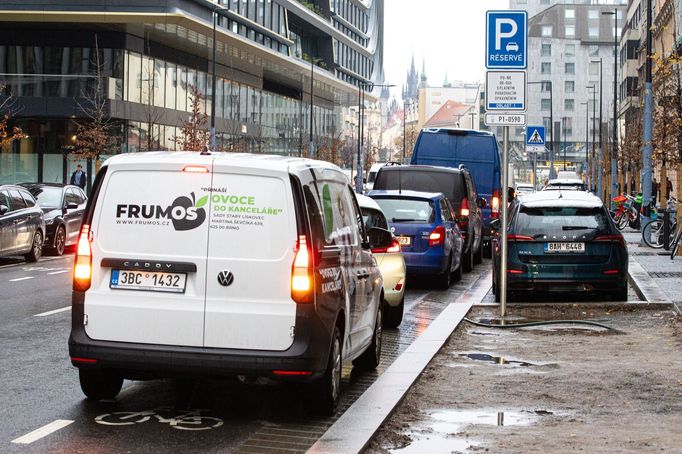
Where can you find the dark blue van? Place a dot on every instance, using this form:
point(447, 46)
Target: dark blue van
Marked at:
point(475, 150)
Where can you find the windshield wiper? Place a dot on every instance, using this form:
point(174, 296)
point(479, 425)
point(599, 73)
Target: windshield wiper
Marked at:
point(577, 227)
point(405, 220)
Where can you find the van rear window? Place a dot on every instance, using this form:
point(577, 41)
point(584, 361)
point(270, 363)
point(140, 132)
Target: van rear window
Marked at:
point(448, 183)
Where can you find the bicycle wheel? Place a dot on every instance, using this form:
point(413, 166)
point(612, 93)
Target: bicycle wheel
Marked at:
point(123, 418)
point(652, 234)
point(622, 220)
point(675, 245)
point(197, 422)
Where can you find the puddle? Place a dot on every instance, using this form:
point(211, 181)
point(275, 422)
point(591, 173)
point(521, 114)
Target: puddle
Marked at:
point(495, 359)
point(441, 434)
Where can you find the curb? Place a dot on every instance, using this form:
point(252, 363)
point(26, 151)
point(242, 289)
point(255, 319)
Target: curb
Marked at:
point(647, 288)
point(352, 432)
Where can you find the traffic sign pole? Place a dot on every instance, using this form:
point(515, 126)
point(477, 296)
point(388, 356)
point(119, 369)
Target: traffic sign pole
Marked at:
point(503, 211)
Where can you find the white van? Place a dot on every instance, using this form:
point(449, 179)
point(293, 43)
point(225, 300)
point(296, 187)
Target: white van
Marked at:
point(224, 265)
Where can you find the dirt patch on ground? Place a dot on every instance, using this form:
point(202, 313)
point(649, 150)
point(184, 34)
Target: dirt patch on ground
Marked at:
point(549, 389)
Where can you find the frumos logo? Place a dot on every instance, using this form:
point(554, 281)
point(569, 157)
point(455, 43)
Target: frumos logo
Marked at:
point(185, 213)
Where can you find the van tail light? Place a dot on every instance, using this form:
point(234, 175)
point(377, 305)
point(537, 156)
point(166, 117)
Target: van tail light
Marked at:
point(82, 270)
point(610, 238)
point(464, 207)
point(195, 169)
point(437, 237)
point(495, 204)
point(519, 238)
point(301, 273)
point(392, 249)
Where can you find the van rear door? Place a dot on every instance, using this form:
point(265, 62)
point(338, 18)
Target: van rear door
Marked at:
point(150, 233)
point(250, 257)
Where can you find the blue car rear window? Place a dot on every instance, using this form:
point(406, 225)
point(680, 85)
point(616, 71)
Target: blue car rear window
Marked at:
point(407, 210)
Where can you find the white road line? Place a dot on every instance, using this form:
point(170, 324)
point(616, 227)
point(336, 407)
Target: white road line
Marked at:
point(42, 432)
point(42, 260)
point(21, 279)
point(59, 272)
point(56, 311)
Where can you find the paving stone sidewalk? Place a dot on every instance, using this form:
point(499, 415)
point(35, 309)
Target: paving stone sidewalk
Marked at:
point(656, 262)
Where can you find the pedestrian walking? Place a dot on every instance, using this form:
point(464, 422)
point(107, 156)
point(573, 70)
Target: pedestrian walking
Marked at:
point(668, 187)
point(79, 177)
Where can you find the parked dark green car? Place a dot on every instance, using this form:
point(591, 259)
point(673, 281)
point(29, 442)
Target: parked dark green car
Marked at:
point(560, 242)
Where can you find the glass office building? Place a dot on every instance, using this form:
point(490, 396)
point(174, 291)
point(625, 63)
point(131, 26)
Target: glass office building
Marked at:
point(148, 55)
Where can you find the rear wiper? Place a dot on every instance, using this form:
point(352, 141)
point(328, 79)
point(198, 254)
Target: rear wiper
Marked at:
point(404, 220)
point(577, 227)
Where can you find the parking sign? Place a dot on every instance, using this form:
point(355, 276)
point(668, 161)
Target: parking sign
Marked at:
point(506, 39)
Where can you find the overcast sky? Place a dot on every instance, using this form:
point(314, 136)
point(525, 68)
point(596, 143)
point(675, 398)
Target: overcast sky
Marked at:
point(449, 34)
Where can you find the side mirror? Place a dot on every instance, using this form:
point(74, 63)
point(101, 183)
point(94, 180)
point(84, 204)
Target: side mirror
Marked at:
point(71, 206)
point(495, 225)
point(482, 202)
point(3, 209)
point(379, 238)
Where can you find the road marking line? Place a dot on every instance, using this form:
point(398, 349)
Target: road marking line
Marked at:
point(42, 432)
point(50, 259)
point(21, 279)
point(56, 311)
point(60, 271)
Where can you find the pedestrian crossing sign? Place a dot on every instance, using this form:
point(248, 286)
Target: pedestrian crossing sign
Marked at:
point(535, 138)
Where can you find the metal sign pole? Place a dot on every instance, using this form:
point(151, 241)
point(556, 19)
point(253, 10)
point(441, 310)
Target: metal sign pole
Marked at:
point(503, 211)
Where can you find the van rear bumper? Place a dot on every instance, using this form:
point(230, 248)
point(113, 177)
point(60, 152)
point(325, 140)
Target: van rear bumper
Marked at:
point(308, 354)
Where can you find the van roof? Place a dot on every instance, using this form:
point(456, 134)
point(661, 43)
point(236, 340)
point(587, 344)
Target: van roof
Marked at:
point(406, 193)
point(560, 199)
point(413, 167)
point(246, 160)
point(472, 132)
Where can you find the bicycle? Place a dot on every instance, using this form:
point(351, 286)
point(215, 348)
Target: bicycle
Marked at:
point(652, 233)
point(191, 418)
point(625, 213)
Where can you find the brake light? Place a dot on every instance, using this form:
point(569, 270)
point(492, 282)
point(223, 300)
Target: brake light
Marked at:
point(495, 204)
point(609, 238)
point(195, 169)
point(82, 270)
point(437, 237)
point(511, 271)
point(464, 207)
point(519, 238)
point(76, 360)
point(611, 272)
point(392, 249)
point(292, 373)
point(301, 274)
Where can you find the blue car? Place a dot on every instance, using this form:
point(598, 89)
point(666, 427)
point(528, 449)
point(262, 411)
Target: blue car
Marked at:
point(477, 151)
point(427, 231)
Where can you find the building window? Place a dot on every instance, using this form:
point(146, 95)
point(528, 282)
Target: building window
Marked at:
point(547, 30)
point(546, 50)
point(569, 14)
point(594, 32)
point(594, 68)
point(569, 104)
point(546, 86)
point(593, 14)
point(546, 68)
point(569, 68)
point(569, 86)
point(545, 104)
point(570, 50)
point(594, 51)
point(570, 30)
point(547, 123)
point(567, 126)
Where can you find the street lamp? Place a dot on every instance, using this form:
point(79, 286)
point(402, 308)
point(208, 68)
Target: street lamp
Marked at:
point(361, 104)
point(601, 104)
point(593, 166)
point(587, 135)
point(614, 165)
point(551, 123)
point(564, 121)
point(405, 104)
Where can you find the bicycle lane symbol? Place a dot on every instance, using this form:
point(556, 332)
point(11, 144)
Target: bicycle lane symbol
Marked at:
point(184, 420)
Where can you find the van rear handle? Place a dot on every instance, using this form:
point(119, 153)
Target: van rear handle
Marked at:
point(148, 265)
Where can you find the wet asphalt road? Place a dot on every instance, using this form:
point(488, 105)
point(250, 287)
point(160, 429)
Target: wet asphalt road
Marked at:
point(41, 387)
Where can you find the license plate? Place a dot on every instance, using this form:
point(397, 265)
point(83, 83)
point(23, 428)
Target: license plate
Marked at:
point(404, 240)
point(149, 281)
point(570, 248)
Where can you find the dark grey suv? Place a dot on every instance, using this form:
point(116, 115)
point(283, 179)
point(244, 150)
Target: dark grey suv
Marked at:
point(22, 227)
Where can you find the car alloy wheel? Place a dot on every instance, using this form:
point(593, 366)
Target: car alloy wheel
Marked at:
point(60, 241)
point(36, 247)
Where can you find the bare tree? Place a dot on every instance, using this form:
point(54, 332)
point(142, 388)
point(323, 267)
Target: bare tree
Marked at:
point(152, 114)
point(194, 135)
point(8, 108)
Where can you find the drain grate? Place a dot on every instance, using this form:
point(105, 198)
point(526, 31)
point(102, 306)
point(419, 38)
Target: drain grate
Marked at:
point(668, 274)
point(297, 437)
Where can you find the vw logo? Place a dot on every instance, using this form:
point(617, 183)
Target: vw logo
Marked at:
point(225, 278)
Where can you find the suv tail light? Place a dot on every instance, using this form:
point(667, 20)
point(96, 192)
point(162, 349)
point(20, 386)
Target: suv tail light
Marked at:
point(464, 207)
point(301, 273)
point(392, 249)
point(437, 237)
point(82, 269)
point(610, 238)
point(519, 238)
point(495, 204)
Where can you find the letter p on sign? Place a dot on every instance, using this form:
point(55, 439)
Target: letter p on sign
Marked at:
point(500, 33)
